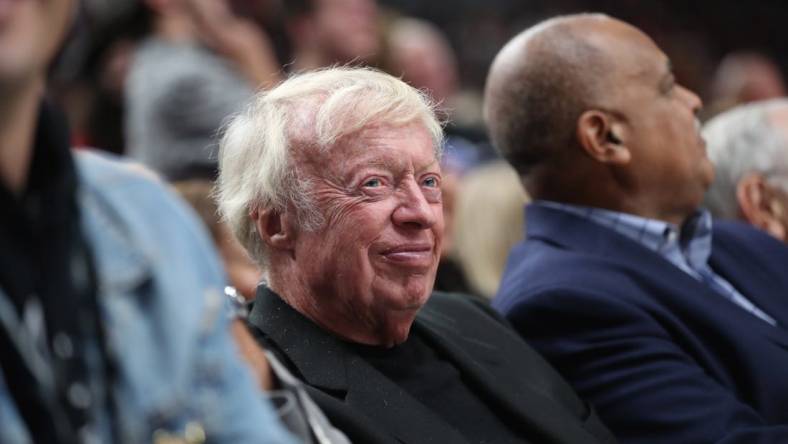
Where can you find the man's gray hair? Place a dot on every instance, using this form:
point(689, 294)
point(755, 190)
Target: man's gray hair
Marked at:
point(743, 141)
point(308, 111)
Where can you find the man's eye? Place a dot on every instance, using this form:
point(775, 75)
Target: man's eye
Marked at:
point(373, 183)
point(431, 182)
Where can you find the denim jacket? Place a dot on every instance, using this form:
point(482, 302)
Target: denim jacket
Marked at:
point(179, 377)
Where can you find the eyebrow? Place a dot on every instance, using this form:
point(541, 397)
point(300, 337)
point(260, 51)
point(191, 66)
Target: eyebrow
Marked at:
point(390, 165)
point(668, 76)
point(428, 166)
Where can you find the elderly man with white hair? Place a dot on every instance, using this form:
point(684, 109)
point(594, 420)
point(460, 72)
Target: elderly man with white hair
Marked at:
point(749, 148)
point(332, 182)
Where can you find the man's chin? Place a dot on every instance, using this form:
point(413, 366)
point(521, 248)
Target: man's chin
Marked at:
point(404, 291)
point(415, 298)
point(396, 331)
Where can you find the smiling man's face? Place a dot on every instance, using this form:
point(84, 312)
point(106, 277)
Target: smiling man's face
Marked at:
point(371, 265)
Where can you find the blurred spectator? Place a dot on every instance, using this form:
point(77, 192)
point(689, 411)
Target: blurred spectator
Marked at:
point(88, 78)
point(744, 77)
point(200, 64)
point(420, 53)
point(488, 223)
point(749, 148)
point(104, 125)
point(450, 277)
point(113, 326)
point(243, 273)
point(328, 32)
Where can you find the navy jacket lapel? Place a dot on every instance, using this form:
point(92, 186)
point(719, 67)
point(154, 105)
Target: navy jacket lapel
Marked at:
point(572, 232)
point(757, 285)
point(575, 233)
point(750, 279)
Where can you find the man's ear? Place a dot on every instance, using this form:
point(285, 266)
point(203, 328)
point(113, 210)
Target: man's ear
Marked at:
point(274, 228)
point(760, 205)
point(602, 138)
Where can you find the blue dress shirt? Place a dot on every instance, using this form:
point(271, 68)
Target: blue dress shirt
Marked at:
point(688, 247)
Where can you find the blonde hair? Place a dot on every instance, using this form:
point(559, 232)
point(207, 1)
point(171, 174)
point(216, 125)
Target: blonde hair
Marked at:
point(308, 111)
point(489, 222)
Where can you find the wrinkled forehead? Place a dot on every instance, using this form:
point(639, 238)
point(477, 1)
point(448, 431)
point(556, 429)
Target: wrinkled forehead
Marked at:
point(390, 147)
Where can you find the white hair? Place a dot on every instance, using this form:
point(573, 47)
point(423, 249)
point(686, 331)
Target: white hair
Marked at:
point(308, 111)
point(743, 141)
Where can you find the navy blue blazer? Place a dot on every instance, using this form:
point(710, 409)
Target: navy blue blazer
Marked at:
point(662, 357)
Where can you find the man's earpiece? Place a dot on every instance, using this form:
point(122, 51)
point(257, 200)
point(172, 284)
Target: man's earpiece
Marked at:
point(612, 138)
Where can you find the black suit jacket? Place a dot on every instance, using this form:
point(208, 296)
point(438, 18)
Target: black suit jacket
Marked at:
point(370, 408)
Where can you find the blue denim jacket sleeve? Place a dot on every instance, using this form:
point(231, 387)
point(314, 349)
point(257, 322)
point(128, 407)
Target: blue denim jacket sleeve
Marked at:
point(186, 369)
point(166, 323)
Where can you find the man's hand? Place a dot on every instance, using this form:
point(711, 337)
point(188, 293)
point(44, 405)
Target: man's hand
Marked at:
point(239, 40)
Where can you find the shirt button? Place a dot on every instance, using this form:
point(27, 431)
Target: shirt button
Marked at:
point(79, 395)
point(62, 346)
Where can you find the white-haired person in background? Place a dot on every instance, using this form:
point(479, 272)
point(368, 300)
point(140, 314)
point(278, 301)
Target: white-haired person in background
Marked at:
point(749, 148)
point(332, 181)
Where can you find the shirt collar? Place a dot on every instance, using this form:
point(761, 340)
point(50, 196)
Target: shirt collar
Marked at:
point(691, 241)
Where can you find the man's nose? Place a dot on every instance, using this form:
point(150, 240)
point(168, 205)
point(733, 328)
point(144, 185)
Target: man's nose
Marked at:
point(413, 210)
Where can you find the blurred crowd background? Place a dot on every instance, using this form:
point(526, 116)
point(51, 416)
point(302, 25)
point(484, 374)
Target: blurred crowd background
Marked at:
point(156, 79)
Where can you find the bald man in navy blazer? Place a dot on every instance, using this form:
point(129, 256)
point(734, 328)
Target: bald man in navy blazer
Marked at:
point(672, 324)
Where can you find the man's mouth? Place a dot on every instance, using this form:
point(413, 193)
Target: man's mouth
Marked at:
point(416, 255)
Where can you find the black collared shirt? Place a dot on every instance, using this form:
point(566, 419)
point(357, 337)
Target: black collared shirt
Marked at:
point(45, 271)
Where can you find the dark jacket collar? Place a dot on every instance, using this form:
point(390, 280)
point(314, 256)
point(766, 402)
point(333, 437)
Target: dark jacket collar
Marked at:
point(326, 362)
point(329, 364)
point(319, 357)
